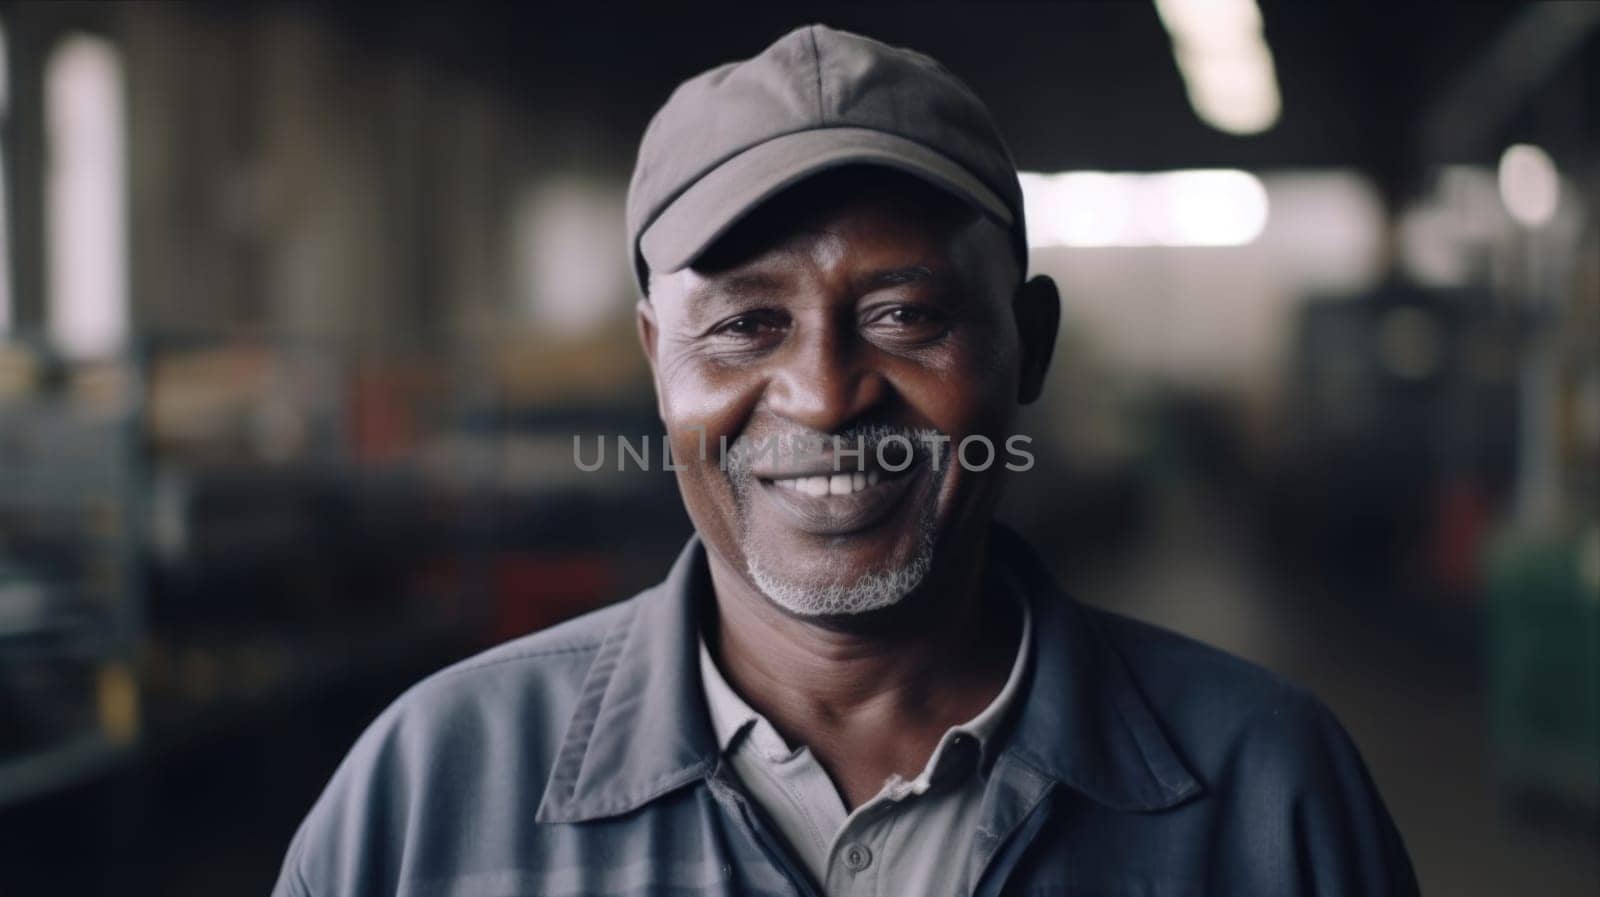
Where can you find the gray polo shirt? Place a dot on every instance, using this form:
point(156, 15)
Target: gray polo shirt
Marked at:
point(907, 839)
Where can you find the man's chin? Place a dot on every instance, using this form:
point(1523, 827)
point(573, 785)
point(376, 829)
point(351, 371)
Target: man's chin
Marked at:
point(821, 594)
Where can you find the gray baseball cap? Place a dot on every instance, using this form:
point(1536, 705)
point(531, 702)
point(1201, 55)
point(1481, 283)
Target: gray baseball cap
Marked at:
point(733, 137)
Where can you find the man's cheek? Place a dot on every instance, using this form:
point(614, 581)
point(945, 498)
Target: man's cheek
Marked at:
point(706, 417)
point(691, 446)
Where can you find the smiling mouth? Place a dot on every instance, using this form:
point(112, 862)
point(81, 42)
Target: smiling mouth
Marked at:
point(831, 484)
point(840, 503)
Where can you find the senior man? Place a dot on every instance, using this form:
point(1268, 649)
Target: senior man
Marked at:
point(852, 681)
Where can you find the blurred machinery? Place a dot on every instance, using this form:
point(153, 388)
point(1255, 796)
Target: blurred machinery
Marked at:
point(1401, 450)
point(189, 542)
point(70, 494)
point(1542, 629)
point(1543, 634)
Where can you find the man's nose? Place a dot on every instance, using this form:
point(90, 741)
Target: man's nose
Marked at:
point(823, 381)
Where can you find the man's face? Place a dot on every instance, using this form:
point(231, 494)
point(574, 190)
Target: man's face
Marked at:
point(869, 313)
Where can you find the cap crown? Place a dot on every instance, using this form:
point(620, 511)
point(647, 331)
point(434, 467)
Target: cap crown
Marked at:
point(814, 78)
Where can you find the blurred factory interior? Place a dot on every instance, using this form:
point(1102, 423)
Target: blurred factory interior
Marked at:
point(303, 305)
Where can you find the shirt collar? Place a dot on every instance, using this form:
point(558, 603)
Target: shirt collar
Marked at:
point(731, 715)
point(642, 728)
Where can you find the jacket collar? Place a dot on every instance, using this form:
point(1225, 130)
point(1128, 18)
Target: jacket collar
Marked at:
point(641, 729)
point(1084, 722)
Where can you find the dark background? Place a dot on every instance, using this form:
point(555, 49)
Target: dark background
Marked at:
point(349, 279)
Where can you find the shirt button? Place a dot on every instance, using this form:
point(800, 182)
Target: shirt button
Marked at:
point(857, 857)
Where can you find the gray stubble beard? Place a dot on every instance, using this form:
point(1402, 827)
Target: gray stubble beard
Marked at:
point(874, 590)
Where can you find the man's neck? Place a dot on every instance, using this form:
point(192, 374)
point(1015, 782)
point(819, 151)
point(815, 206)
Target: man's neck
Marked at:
point(878, 696)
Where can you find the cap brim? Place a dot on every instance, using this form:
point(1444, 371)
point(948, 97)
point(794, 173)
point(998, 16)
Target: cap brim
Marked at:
point(719, 199)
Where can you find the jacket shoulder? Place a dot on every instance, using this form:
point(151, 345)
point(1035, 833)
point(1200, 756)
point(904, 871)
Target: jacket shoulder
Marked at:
point(451, 741)
point(538, 674)
point(1170, 664)
point(579, 635)
point(546, 666)
point(1281, 777)
point(1225, 713)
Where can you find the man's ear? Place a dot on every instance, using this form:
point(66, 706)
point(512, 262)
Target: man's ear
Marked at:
point(645, 320)
point(1038, 312)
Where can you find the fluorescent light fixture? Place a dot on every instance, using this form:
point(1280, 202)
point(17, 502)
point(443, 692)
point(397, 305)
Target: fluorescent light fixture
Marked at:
point(1530, 186)
point(1207, 208)
point(86, 197)
point(1080, 208)
point(1233, 91)
point(1210, 23)
point(1228, 71)
point(1215, 207)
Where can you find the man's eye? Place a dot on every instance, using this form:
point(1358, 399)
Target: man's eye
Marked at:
point(908, 319)
point(745, 326)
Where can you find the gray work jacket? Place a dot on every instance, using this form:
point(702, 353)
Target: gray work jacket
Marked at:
point(580, 761)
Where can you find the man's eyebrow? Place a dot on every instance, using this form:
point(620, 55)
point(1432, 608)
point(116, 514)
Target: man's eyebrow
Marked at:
point(733, 289)
point(893, 277)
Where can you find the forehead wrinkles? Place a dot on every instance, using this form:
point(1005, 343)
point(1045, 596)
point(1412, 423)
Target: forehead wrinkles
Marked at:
point(859, 238)
point(810, 249)
point(818, 245)
point(863, 231)
point(808, 246)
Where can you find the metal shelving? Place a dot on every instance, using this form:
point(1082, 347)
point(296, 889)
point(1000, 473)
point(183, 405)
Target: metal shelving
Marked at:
point(69, 589)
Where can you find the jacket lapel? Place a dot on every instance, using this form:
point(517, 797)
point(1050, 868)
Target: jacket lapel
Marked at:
point(640, 727)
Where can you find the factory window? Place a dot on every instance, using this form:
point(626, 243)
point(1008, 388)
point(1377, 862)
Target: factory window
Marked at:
point(86, 197)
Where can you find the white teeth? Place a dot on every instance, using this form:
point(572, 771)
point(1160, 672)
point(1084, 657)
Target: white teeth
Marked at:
point(835, 484)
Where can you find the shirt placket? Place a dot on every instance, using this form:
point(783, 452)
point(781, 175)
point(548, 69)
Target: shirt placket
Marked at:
point(857, 855)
